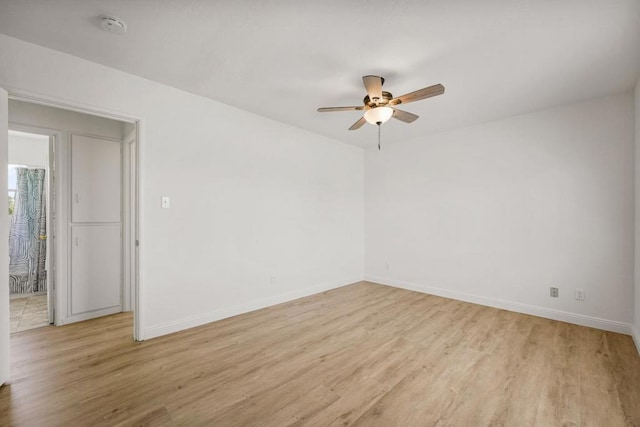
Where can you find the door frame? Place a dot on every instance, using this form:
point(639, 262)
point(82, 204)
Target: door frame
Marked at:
point(136, 259)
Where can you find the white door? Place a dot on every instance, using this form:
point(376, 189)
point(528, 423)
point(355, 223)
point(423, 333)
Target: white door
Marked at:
point(95, 180)
point(95, 227)
point(95, 268)
point(4, 238)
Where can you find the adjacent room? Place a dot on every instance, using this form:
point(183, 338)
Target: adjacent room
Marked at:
point(28, 183)
point(381, 213)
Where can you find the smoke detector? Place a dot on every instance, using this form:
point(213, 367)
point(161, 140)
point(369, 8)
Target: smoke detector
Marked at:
point(113, 24)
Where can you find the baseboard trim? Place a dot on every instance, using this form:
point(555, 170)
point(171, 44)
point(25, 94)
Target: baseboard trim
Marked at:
point(257, 304)
point(636, 338)
point(547, 313)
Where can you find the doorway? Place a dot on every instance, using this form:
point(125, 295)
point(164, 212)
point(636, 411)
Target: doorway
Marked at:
point(31, 299)
point(131, 212)
point(92, 258)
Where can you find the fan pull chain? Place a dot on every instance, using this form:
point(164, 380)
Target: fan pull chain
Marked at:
point(379, 123)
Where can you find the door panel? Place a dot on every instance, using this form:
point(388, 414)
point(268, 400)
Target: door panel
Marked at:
point(96, 279)
point(95, 179)
point(95, 228)
point(4, 237)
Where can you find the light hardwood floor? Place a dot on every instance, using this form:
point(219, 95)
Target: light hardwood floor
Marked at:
point(365, 355)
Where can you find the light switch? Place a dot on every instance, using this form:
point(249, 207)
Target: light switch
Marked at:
point(166, 202)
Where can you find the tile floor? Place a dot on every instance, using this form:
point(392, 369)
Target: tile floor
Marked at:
point(28, 312)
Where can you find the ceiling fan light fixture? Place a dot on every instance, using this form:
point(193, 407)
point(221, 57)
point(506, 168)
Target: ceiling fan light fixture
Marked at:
point(378, 115)
point(378, 104)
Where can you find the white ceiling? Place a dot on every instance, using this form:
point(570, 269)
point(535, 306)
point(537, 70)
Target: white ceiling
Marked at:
point(283, 59)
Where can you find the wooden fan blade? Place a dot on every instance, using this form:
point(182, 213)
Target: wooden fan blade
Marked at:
point(424, 93)
point(404, 116)
point(358, 124)
point(328, 109)
point(373, 84)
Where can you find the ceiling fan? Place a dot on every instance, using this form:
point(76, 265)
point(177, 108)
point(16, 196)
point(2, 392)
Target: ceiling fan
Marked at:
point(379, 105)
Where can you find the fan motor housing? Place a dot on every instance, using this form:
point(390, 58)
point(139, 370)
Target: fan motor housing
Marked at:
point(386, 97)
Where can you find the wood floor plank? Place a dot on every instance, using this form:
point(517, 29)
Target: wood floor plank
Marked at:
point(363, 354)
point(562, 383)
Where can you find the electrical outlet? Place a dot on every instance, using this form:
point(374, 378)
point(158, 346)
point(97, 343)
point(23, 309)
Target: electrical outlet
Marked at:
point(580, 294)
point(386, 264)
point(272, 280)
point(553, 292)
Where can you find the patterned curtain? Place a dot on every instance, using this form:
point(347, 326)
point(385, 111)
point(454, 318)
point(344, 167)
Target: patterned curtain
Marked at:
point(28, 234)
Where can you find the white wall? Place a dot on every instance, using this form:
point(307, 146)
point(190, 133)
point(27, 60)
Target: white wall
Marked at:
point(636, 317)
point(251, 198)
point(498, 212)
point(28, 149)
